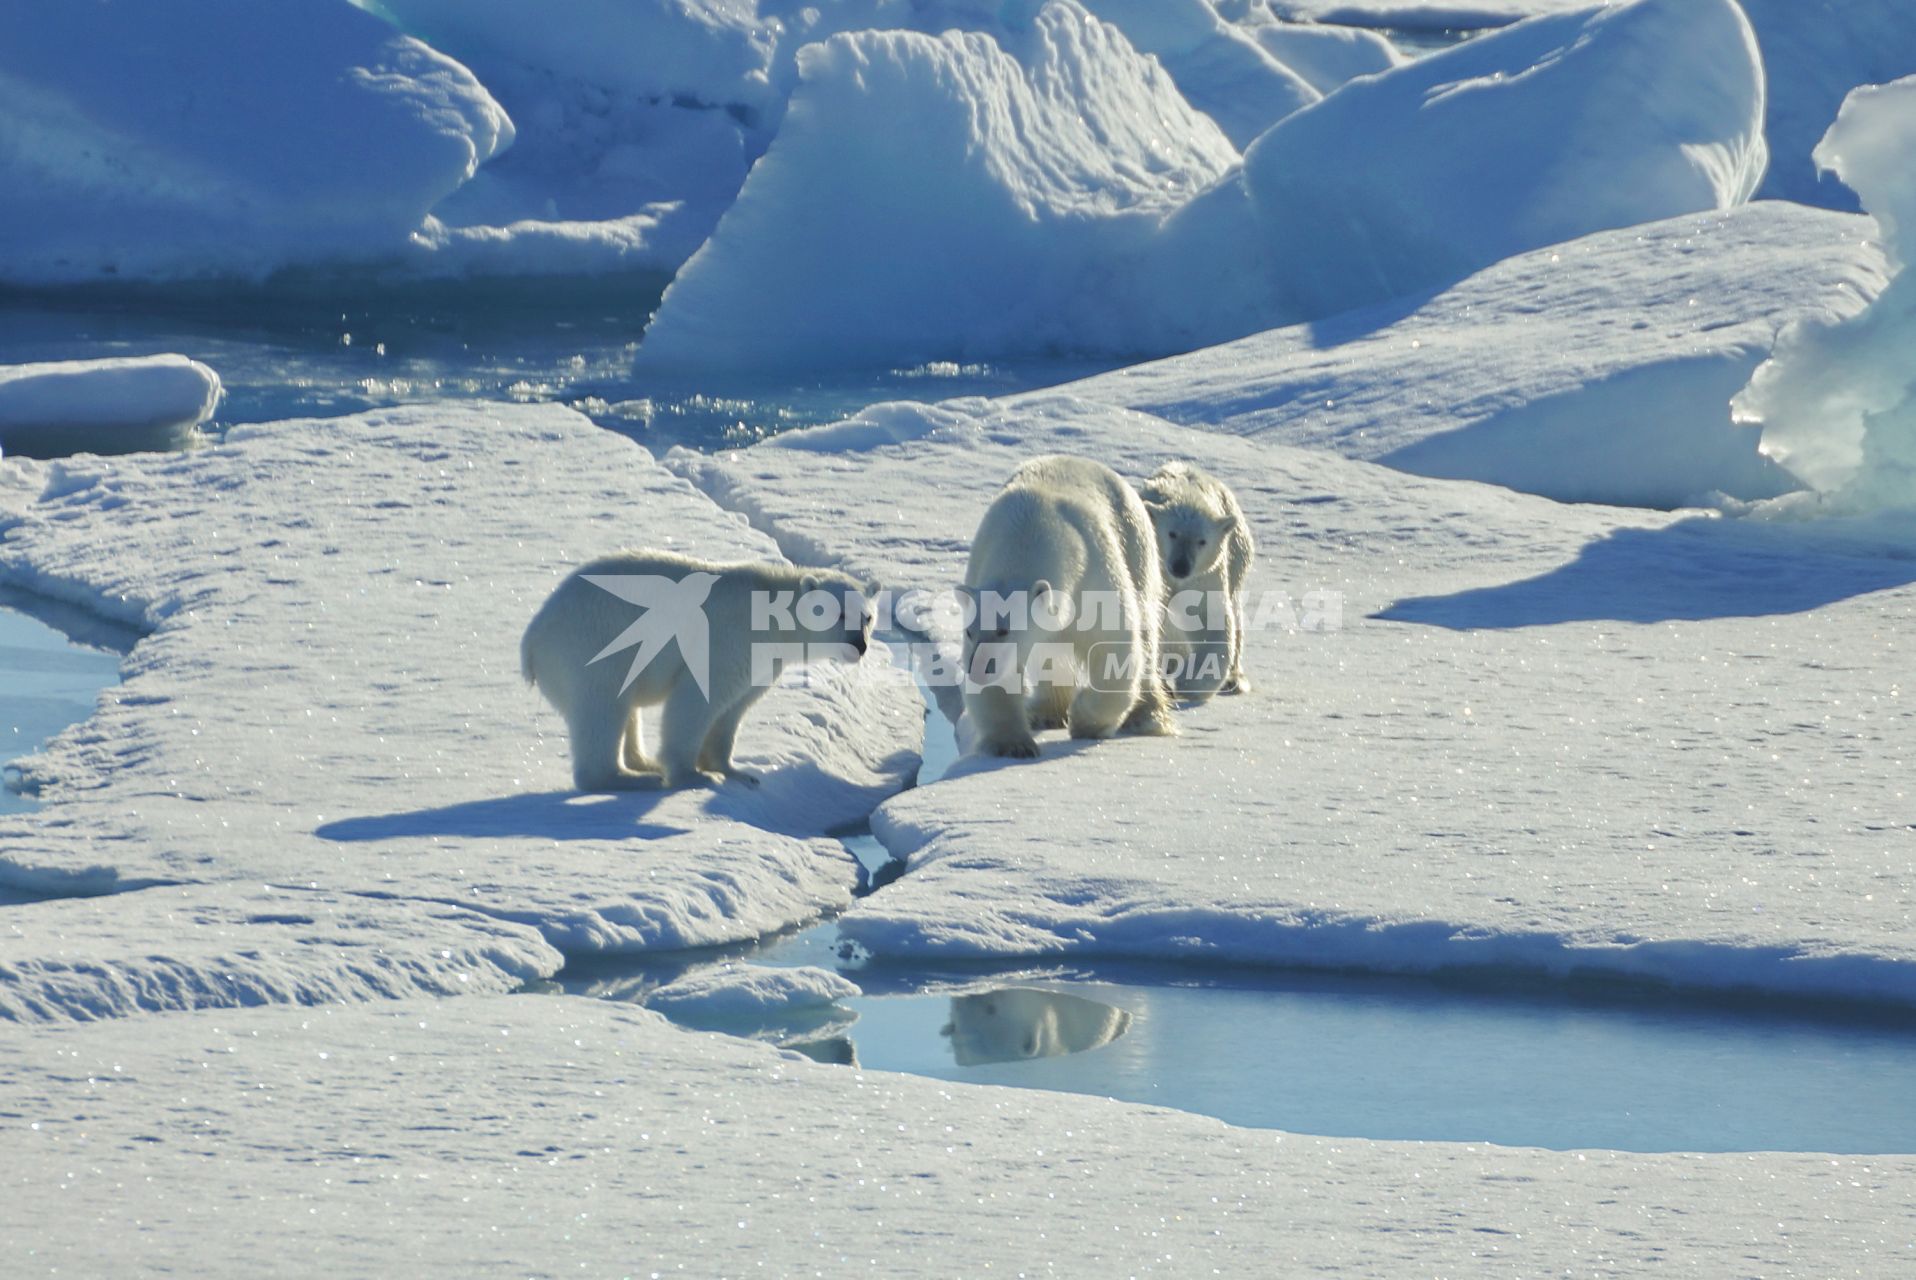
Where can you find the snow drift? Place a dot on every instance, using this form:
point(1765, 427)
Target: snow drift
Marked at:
point(1837, 402)
point(222, 137)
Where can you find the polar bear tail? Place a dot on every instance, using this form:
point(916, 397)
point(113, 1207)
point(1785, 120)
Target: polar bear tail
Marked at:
point(525, 658)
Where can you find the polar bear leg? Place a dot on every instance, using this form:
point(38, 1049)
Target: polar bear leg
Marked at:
point(632, 748)
point(684, 722)
point(1099, 713)
point(1151, 713)
point(715, 756)
point(998, 719)
point(597, 734)
point(1050, 705)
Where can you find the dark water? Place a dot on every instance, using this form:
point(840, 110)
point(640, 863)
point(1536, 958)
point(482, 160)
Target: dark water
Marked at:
point(47, 682)
point(1369, 1057)
point(290, 355)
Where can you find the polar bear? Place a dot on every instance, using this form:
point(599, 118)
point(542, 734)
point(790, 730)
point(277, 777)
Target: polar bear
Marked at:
point(1017, 1023)
point(701, 641)
point(1066, 541)
point(1204, 545)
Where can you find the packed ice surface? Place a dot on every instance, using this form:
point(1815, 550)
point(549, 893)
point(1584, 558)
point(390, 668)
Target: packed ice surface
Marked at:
point(329, 696)
point(235, 946)
point(938, 196)
point(899, 201)
point(1837, 403)
point(1596, 370)
point(555, 1135)
point(221, 137)
point(1488, 729)
point(1536, 134)
point(147, 401)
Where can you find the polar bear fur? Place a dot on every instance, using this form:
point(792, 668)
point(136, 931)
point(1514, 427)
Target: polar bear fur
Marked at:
point(1205, 550)
point(1064, 533)
point(1017, 1023)
point(568, 653)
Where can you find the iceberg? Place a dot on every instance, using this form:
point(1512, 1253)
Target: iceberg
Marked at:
point(1837, 402)
point(941, 198)
point(1542, 132)
point(208, 138)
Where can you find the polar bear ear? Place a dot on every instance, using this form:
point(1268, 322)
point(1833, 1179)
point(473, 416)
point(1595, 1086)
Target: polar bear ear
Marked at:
point(873, 589)
point(808, 583)
point(1040, 589)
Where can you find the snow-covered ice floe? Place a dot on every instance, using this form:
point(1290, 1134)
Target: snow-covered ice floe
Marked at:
point(1837, 403)
point(203, 946)
point(541, 1136)
point(1599, 370)
point(1488, 729)
point(104, 406)
point(330, 698)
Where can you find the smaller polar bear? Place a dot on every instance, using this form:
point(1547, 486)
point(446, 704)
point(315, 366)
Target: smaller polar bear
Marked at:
point(639, 628)
point(1065, 540)
point(1204, 544)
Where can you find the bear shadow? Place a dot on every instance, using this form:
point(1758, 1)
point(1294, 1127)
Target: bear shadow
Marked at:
point(550, 815)
point(1690, 571)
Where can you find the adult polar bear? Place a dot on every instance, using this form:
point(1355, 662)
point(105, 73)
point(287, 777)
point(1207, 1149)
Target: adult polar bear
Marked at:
point(743, 623)
point(1067, 538)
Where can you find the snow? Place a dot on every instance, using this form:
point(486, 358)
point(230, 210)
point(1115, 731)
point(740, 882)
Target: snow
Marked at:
point(1444, 166)
point(1485, 753)
point(1326, 56)
point(1223, 72)
point(142, 401)
point(938, 197)
point(713, 53)
point(213, 137)
point(329, 693)
point(1837, 402)
point(1596, 370)
point(239, 946)
point(546, 1135)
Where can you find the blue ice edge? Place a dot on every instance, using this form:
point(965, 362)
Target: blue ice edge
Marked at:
point(57, 624)
point(1316, 940)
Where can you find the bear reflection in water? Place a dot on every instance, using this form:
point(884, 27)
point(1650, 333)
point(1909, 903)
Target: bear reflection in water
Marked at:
point(1020, 1022)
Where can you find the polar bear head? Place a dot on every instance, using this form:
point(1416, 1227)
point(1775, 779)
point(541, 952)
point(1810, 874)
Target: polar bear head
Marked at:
point(1190, 536)
point(836, 612)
